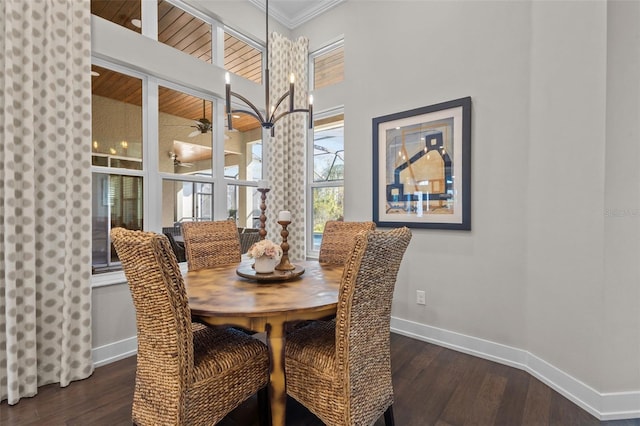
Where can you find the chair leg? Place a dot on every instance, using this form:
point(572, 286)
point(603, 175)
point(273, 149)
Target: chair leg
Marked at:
point(388, 417)
point(264, 412)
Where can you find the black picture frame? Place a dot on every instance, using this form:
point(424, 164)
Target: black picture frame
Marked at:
point(422, 167)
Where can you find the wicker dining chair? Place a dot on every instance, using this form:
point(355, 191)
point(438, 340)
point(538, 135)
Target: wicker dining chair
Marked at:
point(178, 248)
point(187, 373)
point(341, 370)
point(247, 239)
point(338, 238)
point(209, 244)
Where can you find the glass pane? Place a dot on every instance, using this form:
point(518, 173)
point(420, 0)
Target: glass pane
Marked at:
point(243, 206)
point(183, 31)
point(185, 134)
point(122, 12)
point(327, 205)
point(242, 160)
point(328, 149)
point(117, 201)
point(328, 68)
point(186, 202)
point(116, 119)
point(242, 59)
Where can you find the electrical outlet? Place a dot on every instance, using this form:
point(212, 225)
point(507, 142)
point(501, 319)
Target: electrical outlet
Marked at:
point(420, 297)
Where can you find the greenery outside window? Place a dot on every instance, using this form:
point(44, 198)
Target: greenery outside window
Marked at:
point(327, 168)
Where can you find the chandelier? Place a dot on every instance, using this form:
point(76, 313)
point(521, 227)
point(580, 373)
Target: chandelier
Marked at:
point(270, 118)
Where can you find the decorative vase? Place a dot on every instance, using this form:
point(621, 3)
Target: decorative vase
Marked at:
point(265, 264)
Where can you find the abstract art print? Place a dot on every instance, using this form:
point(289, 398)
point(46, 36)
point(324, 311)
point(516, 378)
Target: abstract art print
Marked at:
point(422, 167)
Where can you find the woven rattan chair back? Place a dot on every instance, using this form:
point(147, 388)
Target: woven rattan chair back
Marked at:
point(363, 321)
point(187, 373)
point(165, 336)
point(341, 371)
point(209, 244)
point(338, 239)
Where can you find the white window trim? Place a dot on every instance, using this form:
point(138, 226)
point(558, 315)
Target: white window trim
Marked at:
point(313, 55)
point(313, 254)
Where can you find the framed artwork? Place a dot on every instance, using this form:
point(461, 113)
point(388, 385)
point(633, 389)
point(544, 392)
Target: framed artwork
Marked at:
point(422, 167)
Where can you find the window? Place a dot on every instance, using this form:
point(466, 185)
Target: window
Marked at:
point(184, 31)
point(327, 169)
point(116, 154)
point(241, 57)
point(243, 206)
point(181, 186)
point(117, 201)
point(177, 170)
point(327, 65)
point(184, 201)
point(185, 133)
point(326, 154)
point(126, 13)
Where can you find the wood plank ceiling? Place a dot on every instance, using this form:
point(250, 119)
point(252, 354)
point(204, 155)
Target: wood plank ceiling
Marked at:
point(187, 33)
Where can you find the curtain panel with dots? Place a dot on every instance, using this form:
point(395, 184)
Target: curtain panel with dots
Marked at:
point(285, 160)
point(45, 194)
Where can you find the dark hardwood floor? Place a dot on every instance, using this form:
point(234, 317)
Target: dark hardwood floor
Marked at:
point(433, 386)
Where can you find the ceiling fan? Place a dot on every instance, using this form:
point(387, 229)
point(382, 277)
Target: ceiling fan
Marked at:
point(177, 162)
point(203, 125)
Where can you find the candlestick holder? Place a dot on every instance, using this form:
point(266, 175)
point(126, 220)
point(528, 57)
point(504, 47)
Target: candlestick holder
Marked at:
point(263, 206)
point(284, 264)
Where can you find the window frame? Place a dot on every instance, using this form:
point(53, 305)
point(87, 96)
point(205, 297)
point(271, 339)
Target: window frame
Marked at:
point(317, 53)
point(311, 184)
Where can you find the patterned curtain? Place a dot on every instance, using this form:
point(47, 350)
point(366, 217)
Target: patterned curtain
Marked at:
point(285, 161)
point(45, 194)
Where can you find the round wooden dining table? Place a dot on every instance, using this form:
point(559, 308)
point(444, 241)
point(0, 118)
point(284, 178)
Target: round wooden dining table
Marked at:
point(219, 296)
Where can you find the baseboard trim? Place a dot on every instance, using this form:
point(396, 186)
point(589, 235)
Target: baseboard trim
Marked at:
point(604, 406)
point(112, 352)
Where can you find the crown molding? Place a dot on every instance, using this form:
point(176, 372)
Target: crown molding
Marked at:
point(291, 21)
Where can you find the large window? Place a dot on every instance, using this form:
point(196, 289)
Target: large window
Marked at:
point(327, 168)
point(160, 154)
point(326, 154)
point(179, 182)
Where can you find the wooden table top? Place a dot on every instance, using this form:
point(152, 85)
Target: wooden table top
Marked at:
point(220, 291)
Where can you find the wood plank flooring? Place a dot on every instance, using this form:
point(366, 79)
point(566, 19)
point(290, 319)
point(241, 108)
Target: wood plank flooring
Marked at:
point(433, 386)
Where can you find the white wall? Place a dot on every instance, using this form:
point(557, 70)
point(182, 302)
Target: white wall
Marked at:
point(565, 194)
point(621, 295)
point(404, 55)
point(547, 279)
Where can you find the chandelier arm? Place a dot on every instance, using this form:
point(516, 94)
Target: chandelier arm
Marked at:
point(270, 118)
point(256, 112)
point(275, 107)
point(245, 111)
point(287, 113)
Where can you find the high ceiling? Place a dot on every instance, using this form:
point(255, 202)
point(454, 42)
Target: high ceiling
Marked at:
point(193, 36)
